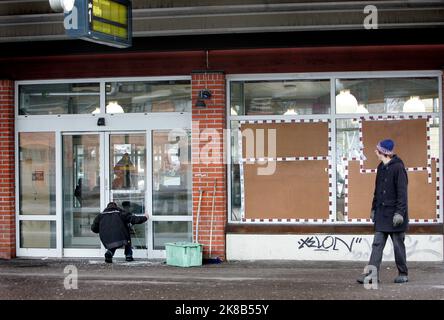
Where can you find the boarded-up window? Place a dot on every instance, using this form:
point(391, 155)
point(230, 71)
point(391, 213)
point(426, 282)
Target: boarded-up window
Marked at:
point(410, 138)
point(292, 140)
point(297, 190)
point(421, 193)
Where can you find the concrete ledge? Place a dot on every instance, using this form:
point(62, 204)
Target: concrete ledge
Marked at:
point(323, 247)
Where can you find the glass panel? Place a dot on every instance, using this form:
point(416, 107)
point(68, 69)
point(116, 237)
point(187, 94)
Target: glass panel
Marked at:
point(237, 98)
point(127, 176)
point(38, 234)
point(292, 97)
point(392, 95)
point(37, 173)
point(171, 231)
point(347, 147)
point(160, 96)
point(60, 98)
point(81, 190)
point(434, 138)
point(235, 173)
point(172, 173)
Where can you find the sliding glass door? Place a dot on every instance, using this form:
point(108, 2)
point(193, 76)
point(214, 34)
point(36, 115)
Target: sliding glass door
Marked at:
point(126, 174)
point(81, 175)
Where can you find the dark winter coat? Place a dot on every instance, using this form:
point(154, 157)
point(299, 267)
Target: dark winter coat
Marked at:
point(390, 196)
point(112, 226)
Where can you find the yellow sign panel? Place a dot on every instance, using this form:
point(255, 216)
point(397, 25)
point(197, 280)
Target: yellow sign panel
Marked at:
point(110, 29)
point(112, 18)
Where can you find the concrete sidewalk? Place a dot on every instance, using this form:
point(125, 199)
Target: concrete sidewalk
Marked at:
point(249, 280)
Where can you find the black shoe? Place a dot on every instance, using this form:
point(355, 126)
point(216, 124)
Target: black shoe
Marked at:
point(401, 279)
point(129, 258)
point(108, 257)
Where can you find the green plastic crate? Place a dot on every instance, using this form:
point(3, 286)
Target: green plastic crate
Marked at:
point(183, 254)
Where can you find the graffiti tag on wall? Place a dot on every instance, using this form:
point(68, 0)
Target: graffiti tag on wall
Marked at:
point(359, 247)
point(328, 243)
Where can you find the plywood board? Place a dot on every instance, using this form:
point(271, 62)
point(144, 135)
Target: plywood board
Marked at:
point(297, 190)
point(360, 191)
point(410, 138)
point(421, 194)
point(292, 139)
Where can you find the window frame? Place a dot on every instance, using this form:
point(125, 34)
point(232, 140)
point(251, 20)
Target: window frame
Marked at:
point(332, 116)
point(84, 124)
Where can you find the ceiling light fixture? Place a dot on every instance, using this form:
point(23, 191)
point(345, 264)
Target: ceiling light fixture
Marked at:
point(112, 107)
point(62, 5)
point(361, 109)
point(346, 102)
point(414, 104)
point(290, 112)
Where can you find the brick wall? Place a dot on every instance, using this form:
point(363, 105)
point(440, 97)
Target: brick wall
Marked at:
point(208, 163)
point(7, 170)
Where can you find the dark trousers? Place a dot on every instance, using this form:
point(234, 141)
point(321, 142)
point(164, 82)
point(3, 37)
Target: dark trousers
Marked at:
point(128, 251)
point(398, 246)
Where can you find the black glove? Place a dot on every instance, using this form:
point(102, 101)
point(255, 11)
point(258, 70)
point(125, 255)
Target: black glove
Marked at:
point(397, 220)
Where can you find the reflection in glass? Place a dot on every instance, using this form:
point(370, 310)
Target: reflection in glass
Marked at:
point(127, 176)
point(37, 173)
point(59, 98)
point(434, 138)
point(284, 97)
point(172, 173)
point(38, 234)
point(171, 231)
point(387, 95)
point(158, 96)
point(81, 190)
point(347, 147)
point(235, 173)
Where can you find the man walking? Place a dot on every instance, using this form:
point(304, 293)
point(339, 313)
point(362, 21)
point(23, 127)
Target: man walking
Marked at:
point(389, 210)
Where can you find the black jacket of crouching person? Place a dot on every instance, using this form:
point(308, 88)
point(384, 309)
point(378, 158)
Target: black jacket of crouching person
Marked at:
point(390, 196)
point(112, 226)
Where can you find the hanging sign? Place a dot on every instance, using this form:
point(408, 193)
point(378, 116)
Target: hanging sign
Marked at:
point(102, 21)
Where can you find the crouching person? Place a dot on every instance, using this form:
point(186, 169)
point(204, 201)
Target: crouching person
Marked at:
point(111, 225)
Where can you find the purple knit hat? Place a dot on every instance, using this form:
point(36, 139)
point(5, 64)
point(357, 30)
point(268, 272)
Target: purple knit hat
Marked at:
point(385, 146)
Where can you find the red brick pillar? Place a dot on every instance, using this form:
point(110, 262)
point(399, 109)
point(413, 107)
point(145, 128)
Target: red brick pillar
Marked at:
point(208, 163)
point(7, 170)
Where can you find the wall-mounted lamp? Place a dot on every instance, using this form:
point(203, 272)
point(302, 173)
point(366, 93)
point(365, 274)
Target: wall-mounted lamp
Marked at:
point(200, 104)
point(203, 95)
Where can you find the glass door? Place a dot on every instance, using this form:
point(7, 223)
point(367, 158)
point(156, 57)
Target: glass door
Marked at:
point(81, 172)
point(144, 171)
point(171, 194)
point(126, 172)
